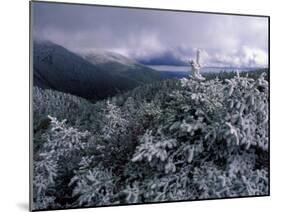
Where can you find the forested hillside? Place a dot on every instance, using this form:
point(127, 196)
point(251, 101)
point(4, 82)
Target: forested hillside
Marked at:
point(177, 139)
point(57, 68)
point(122, 66)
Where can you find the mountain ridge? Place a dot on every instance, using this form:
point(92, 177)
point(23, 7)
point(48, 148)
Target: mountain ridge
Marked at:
point(58, 68)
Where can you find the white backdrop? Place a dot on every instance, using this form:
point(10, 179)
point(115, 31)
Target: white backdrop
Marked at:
point(14, 112)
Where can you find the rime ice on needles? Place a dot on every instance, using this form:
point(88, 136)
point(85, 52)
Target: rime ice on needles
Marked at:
point(93, 187)
point(113, 119)
point(153, 148)
point(171, 140)
point(60, 152)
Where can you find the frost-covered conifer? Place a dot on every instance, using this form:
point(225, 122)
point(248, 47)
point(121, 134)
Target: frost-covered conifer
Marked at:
point(58, 157)
point(114, 123)
point(93, 187)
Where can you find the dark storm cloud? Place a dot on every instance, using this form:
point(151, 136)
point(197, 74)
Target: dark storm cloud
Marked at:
point(145, 33)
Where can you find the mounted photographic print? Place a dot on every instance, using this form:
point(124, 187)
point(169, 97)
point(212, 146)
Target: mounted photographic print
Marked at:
point(136, 105)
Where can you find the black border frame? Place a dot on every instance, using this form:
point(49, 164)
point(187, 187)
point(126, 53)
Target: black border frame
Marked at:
point(137, 8)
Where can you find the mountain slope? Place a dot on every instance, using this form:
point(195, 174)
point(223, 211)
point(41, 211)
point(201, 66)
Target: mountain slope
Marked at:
point(118, 64)
point(57, 68)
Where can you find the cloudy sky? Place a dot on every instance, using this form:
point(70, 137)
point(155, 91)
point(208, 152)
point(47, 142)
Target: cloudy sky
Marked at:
point(148, 34)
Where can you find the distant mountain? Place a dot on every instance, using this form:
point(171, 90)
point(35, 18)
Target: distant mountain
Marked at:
point(174, 74)
point(166, 58)
point(57, 68)
point(118, 64)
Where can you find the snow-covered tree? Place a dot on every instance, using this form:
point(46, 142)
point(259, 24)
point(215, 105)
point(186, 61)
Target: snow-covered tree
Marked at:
point(58, 157)
point(93, 187)
point(196, 66)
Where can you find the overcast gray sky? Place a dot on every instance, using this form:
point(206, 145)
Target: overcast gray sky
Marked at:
point(137, 33)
